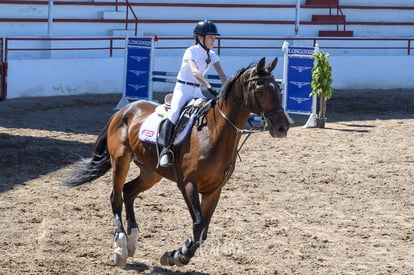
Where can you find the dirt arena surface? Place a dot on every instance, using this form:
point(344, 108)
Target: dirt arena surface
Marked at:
point(338, 200)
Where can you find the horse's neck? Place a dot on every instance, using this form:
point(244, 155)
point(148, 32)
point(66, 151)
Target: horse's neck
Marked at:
point(230, 118)
point(230, 114)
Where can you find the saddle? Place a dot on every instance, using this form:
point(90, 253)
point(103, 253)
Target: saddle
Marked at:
point(193, 113)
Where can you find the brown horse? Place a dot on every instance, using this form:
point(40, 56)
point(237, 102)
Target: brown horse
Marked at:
point(203, 163)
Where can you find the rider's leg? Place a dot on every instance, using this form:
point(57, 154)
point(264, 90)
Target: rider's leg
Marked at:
point(182, 94)
point(177, 102)
point(166, 153)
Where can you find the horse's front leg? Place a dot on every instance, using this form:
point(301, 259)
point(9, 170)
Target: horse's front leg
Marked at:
point(182, 255)
point(208, 206)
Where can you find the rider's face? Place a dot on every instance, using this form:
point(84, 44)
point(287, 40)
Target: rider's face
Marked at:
point(209, 41)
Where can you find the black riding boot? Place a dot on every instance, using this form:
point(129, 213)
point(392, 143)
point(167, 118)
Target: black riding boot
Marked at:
point(166, 153)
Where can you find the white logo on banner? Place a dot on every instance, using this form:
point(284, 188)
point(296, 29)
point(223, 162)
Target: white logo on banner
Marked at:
point(136, 87)
point(299, 100)
point(136, 72)
point(299, 84)
point(138, 58)
point(301, 68)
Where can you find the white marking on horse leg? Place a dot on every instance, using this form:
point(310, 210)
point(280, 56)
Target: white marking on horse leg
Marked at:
point(121, 251)
point(132, 242)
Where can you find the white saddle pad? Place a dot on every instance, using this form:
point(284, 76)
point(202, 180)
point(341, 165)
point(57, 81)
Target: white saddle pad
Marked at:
point(149, 130)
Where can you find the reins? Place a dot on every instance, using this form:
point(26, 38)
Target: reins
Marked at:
point(238, 130)
point(236, 150)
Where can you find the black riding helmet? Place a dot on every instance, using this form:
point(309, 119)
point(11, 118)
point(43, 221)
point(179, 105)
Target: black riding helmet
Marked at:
point(205, 27)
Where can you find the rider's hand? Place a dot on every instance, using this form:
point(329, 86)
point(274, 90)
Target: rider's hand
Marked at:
point(212, 91)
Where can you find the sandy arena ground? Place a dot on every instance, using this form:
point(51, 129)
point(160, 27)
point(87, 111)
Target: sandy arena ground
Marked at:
point(338, 200)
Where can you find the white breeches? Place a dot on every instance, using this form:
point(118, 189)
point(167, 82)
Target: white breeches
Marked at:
point(182, 94)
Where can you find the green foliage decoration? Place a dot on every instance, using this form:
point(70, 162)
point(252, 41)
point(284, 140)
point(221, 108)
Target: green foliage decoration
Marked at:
point(321, 76)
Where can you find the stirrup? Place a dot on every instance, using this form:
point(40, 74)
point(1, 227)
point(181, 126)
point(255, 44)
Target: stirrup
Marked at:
point(166, 158)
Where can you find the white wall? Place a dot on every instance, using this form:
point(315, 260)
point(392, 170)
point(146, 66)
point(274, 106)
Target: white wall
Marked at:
point(47, 77)
point(268, 2)
point(393, 3)
point(349, 72)
point(372, 72)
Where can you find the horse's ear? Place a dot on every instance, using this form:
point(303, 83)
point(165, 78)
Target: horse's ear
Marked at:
point(272, 65)
point(261, 65)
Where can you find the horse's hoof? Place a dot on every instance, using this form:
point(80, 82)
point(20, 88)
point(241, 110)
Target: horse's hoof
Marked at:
point(132, 242)
point(167, 259)
point(121, 251)
point(174, 258)
point(120, 260)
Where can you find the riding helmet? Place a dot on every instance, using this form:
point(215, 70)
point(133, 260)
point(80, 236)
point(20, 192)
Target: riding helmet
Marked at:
point(205, 27)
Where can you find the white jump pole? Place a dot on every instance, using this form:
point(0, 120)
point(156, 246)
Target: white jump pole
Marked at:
point(297, 17)
point(50, 18)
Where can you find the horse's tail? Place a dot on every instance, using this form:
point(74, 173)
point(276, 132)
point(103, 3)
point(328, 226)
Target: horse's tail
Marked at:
point(97, 166)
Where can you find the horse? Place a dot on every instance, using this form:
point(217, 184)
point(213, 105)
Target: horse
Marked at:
point(203, 163)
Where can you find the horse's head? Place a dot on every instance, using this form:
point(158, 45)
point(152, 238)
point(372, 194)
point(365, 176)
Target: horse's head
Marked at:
point(263, 97)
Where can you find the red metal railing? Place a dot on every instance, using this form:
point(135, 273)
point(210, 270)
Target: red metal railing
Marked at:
point(223, 43)
point(110, 46)
point(127, 9)
point(314, 40)
point(334, 4)
point(3, 70)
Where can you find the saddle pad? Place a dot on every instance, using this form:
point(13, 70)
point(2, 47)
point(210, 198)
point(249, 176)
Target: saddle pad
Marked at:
point(149, 130)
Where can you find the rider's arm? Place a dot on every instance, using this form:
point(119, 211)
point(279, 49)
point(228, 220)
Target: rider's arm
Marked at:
point(220, 72)
point(196, 73)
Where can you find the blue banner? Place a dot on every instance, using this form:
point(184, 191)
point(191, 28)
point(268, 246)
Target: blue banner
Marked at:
point(299, 87)
point(138, 68)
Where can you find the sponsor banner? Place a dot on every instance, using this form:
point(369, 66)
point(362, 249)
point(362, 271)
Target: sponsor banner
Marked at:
point(297, 80)
point(138, 68)
point(300, 51)
point(299, 87)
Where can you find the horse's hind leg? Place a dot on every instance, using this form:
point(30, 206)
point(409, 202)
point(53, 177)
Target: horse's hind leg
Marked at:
point(120, 167)
point(144, 181)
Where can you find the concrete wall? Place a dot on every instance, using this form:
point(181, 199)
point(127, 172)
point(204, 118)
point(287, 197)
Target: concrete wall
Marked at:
point(349, 72)
point(372, 72)
point(47, 77)
point(393, 3)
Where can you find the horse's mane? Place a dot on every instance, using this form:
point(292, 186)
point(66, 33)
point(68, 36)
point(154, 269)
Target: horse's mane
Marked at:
point(230, 82)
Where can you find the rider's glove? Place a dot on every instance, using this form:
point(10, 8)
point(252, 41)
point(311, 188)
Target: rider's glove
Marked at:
point(212, 91)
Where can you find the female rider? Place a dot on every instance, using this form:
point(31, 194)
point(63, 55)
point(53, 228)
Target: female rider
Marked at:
point(196, 61)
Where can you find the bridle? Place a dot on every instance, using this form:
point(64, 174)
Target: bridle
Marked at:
point(264, 115)
point(265, 122)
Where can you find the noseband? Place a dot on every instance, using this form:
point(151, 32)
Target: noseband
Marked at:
point(264, 115)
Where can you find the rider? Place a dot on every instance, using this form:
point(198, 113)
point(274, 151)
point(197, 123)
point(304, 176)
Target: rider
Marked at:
point(196, 61)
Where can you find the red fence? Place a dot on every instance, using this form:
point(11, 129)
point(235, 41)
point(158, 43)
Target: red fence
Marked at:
point(107, 46)
point(400, 44)
point(25, 44)
point(3, 70)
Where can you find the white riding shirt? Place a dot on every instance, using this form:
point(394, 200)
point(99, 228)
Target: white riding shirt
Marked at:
point(184, 92)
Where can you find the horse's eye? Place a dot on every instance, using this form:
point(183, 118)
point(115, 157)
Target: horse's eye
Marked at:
point(260, 90)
